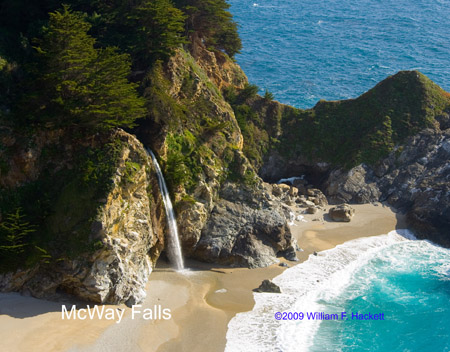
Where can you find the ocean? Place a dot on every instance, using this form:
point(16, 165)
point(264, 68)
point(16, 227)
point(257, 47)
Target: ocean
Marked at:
point(402, 281)
point(303, 51)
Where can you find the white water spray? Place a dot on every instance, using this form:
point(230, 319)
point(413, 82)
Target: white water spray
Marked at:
point(173, 245)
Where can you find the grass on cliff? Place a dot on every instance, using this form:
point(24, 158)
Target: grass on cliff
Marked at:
point(198, 136)
point(343, 133)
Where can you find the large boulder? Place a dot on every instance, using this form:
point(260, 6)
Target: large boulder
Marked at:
point(342, 213)
point(245, 228)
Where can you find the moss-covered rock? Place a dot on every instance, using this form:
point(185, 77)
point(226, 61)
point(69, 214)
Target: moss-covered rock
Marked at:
point(200, 145)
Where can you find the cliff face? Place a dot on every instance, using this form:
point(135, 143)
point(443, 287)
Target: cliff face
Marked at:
point(201, 152)
point(387, 145)
point(415, 178)
point(121, 236)
point(101, 225)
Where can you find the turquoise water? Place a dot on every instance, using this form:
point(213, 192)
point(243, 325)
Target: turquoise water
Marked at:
point(303, 51)
point(410, 284)
point(406, 280)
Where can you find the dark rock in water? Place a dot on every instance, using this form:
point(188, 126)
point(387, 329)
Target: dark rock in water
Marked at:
point(284, 265)
point(268, 286)
point(342, 213)
point(290, 254)
point(315, 253)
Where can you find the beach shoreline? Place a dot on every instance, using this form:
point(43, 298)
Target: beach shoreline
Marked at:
point(201, 300)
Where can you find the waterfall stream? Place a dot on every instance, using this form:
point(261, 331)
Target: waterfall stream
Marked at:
point(173, 242)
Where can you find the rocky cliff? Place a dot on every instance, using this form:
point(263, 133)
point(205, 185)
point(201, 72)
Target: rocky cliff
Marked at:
point(99, 227)
point(390, 144)
point(414, 178)
point(100, 243)
point(201, 153)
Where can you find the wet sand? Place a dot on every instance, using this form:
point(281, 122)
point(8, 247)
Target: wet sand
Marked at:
point(201, 300)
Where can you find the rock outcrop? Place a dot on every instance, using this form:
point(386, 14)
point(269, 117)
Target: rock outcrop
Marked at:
point(268, 286)
point(415, 178)
point(247, 227)
point(127, 236)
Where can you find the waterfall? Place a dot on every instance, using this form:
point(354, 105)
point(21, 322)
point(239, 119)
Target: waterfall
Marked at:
point(173, 245)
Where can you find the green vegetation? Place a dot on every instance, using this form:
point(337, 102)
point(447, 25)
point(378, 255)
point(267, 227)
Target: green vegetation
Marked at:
point(344, 133)
point(268, 96)
point(211, 21)
point(367, 128)
point(55, 212)
point(14, 233)
point(78, 85)
point(159, 31)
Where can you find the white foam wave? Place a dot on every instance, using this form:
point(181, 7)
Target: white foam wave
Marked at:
point(301, 218)
point(291, 179)
point(320, 277)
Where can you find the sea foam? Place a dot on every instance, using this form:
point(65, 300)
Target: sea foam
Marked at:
point(303, 288)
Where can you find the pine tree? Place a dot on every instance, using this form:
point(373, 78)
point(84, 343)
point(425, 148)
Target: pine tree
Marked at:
point(14, 231)
point(160, 30)
point(212, 21)
point(78, 84)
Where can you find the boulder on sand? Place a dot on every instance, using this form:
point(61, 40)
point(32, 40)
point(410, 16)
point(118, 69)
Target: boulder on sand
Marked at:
point(342, 213)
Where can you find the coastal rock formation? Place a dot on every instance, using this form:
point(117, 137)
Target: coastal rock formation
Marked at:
point(342, 213)
point(222, 206)
point(126, 237)
point(415, 178)
point(302, 195)
point(268, 286)
point(360, 150)
point(246, 228)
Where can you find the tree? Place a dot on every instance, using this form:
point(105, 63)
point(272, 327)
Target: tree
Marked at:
point(212, 21)
point(160, 30)
point(14, 231)
point(78, 84)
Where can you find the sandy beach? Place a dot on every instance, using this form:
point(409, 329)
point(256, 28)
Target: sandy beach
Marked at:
point(202, 300)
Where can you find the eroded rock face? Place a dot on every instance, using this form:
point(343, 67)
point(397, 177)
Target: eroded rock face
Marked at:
point(219, 69)
point(354, 186)
point(246, 228)
point(129, 239)
point(414, 178)
point(220, 220)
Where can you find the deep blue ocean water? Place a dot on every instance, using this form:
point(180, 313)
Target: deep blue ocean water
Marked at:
point(406, 280)
point(303, 51)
